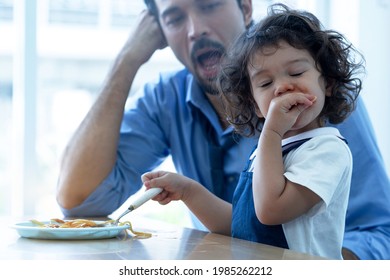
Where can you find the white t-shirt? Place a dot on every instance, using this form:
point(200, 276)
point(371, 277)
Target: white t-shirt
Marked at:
point(324, 165)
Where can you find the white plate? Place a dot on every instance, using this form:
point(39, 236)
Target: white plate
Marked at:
point(30, 230)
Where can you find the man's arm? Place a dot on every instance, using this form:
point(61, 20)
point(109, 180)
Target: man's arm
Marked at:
point(367, 229)
point(91, 153)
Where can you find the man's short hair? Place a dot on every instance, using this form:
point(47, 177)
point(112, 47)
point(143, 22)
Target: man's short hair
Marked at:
point(151, 4)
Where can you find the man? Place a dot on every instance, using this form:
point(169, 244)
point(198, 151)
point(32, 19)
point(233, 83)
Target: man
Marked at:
point(181, 115)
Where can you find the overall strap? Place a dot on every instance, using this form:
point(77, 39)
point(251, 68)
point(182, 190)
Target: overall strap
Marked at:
point(285, 150)
point(293, 145)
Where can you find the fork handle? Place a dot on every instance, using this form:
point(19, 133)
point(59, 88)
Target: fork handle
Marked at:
point(146, 196)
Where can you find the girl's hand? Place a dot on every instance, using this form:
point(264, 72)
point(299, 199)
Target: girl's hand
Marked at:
point(285, 110)
point(175, 186)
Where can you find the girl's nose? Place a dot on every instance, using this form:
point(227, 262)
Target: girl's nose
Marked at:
point(284, 86)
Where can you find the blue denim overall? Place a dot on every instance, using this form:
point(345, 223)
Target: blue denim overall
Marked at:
point(245, 224)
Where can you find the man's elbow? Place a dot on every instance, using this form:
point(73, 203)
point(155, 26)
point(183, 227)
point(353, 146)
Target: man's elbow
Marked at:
point(68, 199)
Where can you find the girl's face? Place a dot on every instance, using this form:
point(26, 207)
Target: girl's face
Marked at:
point(282, 70)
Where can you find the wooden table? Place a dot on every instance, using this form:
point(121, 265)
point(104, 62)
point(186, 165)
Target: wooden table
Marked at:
point(168, 242)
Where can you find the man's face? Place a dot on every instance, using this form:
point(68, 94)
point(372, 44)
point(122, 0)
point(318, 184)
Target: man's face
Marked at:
point(199, 31)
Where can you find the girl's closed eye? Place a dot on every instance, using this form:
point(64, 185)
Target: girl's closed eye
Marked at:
point(265, 84)
point(297, 74)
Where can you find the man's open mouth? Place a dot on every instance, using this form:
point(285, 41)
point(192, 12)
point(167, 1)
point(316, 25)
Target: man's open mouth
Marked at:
point(208, 63)
point(206, 56)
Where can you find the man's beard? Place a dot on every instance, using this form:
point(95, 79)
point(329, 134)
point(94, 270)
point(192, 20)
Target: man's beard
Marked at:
point(209, 86)
point(210, 59)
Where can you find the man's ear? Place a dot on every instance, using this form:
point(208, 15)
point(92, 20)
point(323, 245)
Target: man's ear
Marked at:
point(247, 10)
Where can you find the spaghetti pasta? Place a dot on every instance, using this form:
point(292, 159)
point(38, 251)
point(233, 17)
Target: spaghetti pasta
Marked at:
point(84, 223)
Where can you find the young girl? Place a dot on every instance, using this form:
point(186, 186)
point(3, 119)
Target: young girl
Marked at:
point(285, 78)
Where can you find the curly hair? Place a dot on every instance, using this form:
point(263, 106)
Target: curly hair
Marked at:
point(336, 59)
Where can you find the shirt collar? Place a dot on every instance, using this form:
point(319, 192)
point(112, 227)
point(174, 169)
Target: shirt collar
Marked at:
point(312, 133)
point(197, 100)
point(305, 135)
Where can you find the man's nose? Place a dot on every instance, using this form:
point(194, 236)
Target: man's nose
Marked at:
point(197, 28)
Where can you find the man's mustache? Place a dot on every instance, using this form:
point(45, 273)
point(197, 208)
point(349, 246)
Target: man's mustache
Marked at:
point(206, 43)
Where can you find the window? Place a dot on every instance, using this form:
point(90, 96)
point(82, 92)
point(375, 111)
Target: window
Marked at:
point(80, 12)
point(124, 12)
point(73, 58)
point(6, 10)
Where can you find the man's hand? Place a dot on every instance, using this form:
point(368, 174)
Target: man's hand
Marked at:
point(145, 39)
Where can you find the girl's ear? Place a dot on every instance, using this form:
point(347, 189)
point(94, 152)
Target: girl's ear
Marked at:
point(328, 92)
point(328, 88)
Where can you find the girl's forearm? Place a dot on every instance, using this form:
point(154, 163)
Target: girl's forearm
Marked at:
point(213, 212)
point(268, 179)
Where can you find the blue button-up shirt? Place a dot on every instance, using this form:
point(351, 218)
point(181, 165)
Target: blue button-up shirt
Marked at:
point(169, 118)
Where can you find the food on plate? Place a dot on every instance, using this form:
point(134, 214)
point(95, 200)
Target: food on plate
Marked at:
point(84, 223)
point(58, 223)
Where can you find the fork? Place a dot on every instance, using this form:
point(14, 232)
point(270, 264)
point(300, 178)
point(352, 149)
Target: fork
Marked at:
point(146, 196)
